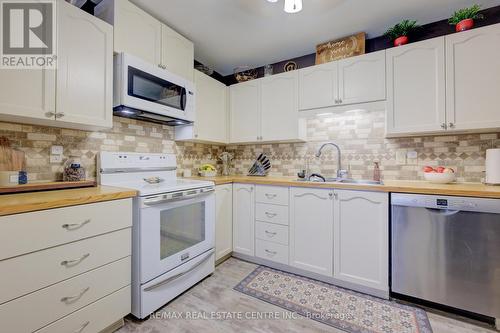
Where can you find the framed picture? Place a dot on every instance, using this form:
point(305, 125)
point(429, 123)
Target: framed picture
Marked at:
point(341, 48)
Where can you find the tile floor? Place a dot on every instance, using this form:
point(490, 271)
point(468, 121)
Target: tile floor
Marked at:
point(214, 296)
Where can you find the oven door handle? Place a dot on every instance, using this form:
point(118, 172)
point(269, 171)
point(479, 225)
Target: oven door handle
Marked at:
point(161, 199)
point(176, 276)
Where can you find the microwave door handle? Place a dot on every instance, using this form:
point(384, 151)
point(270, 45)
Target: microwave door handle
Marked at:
point(176, 276)
point(183, 99)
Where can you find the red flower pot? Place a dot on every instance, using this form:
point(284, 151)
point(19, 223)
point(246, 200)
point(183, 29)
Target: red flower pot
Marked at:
point(463, 25)
point(401, 41)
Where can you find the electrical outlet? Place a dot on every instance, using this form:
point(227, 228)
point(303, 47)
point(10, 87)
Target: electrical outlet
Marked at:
point(55, 158)
point(401, 157)
point(56, 150)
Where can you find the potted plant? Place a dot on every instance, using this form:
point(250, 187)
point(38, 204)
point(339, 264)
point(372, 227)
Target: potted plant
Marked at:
point(400, 32)
point(463, 19)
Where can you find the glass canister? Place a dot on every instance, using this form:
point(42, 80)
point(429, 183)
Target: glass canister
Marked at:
point(73, 170)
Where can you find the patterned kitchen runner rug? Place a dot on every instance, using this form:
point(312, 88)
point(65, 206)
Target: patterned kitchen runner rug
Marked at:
point(340, 308)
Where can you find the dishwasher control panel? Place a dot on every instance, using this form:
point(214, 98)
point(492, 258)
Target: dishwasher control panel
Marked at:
point(446, 202)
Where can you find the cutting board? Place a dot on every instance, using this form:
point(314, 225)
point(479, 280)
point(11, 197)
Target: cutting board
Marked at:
point(32, 187)
point(10, 159)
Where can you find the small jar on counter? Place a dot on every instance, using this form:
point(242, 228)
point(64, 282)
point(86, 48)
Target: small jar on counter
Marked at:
point(73, 170)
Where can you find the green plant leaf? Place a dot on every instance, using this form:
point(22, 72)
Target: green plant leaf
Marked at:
point(466, 13)
point(403, 28)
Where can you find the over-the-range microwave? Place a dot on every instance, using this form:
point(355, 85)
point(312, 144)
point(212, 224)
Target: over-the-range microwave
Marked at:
point(146, 92)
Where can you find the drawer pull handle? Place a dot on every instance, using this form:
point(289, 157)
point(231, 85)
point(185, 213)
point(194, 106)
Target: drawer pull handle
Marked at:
point(270, 233)
point(72, 299)
point(270, 252)
point(270, 196)
point(270, 215)
point(73, 262)
point(74, 226)
point(85, 324)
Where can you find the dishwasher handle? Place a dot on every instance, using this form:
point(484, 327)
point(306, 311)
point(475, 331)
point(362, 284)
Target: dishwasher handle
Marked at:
point(443, 212)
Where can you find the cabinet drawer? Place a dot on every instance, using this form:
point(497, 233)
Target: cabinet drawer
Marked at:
point(94, 317)
point(24, 233)
point(271, 232)
point(271, 251)
point(52, 303)
point(272, 194)
point(60, 263)
point(271, 213)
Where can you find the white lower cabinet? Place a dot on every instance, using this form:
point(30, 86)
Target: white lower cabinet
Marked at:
point(271, 251)
point(244, 219)
point(311, 230)
point(224, 220)
point(361, 246)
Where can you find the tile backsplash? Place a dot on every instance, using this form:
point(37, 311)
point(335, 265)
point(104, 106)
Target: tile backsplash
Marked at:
point(127, 135)
point(359, 133)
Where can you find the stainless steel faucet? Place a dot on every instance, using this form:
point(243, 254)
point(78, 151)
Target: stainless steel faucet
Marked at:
point(341, 173)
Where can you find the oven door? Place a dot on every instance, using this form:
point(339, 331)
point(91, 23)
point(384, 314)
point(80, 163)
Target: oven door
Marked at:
point(175, 230)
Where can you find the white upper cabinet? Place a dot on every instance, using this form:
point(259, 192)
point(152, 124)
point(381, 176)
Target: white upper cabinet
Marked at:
point(244, 219)
point(279, 107)
point(362, 78)
point(318, 86)
point(245, 112)
point(359, 79)
point(416, 87)
point(265, 110)
point(28, 96)
point(361, 245)
point(135, 31)
point(311, 230)
point(177, 53)
point(78, 94)
point(223, 220)
point(473, 79)
point(85, 69)
point(212, 117)
point(140, 34)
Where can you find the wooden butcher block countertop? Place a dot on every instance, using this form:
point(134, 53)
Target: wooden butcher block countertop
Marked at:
point(28, 202)
point(396, 186)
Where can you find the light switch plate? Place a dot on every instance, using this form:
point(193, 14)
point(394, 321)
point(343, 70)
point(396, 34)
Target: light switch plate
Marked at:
point(401, 157)
point(56, 150)
point(55, 158)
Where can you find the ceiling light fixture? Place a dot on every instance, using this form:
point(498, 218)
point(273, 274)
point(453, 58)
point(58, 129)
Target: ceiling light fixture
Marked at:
point(273, 1)
point(293, 6)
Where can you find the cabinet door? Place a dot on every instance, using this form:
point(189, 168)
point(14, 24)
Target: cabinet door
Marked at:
point(473, 79)
point(318, 86)
point(136, 32)
point(211, 109)
point(362, 78)
point(224, 220)
point(177, 53)
point(244, 219)
point(416, 87)
point(279, 111)
point(27, 96)
point(311, 230)
point(245, 112)
point(361, 246)
point(85, 69)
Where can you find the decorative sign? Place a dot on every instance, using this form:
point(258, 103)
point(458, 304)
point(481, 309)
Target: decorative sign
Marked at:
point(341, 48)
point(290, 66)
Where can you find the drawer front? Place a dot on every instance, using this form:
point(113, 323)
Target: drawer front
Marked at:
point(52, 303)
point(271, 232)
point(272, 194)
point(29, 232)
point(94, 317)
point(271, 213)
point(60, 263)
point(271, 251)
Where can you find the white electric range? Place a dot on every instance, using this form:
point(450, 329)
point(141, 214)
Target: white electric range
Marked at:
point(173, 234)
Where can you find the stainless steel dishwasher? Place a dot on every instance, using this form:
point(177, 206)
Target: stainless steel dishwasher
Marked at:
point(447, 250)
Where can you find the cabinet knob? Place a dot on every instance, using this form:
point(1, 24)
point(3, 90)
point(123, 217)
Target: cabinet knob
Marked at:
point(59, 114)
point(443, 126)
point(340, 101)
point(50, 114)
point(451, 125)
point(196, 135)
